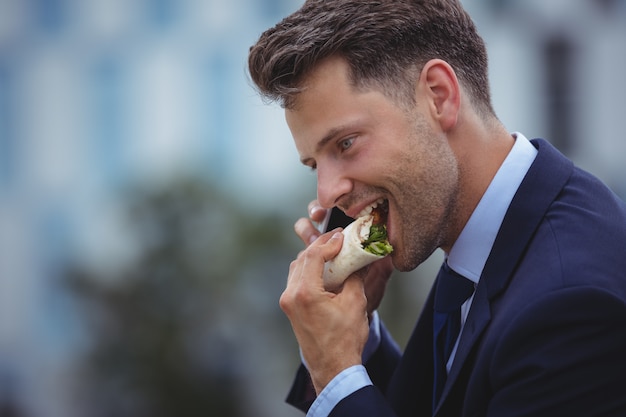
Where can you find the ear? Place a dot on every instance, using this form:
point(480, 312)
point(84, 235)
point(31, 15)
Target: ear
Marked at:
point(438, 81)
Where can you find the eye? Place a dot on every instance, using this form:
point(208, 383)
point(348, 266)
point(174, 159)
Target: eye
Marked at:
point(345, 144)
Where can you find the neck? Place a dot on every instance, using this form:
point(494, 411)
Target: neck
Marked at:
point(480, 147)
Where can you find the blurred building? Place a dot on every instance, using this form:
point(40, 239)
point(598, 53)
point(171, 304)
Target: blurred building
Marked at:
point(95, 94)
point(557, 72)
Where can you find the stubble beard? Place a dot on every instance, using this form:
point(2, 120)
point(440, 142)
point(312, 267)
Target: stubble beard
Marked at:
point(427, 205)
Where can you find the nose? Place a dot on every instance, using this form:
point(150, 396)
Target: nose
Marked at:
point(332, 184)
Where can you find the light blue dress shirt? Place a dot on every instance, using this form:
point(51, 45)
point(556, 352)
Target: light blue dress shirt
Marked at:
point(467, 257)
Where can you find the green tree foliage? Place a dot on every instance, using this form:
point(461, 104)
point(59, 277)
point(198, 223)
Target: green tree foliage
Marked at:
point(168, 333)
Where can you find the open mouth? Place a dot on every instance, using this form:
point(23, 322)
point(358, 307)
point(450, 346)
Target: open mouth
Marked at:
point(379, 210)
point(376, 241)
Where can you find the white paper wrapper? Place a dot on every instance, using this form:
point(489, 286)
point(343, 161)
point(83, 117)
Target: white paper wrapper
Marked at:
point(352, 256)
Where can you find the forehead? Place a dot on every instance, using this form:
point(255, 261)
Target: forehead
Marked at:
point(330, 75)
point(325, 102)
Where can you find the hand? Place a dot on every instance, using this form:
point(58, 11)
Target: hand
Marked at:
point(331, 328)
point(375, 275)
point(375, 278)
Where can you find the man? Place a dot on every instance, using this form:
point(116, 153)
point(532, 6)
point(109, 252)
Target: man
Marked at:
point(389, 101)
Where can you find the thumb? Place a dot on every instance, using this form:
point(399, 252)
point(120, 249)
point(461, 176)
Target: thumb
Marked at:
point(354, 286)
point(333, 246)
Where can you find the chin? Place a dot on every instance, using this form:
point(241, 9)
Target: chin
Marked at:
point(406, 262)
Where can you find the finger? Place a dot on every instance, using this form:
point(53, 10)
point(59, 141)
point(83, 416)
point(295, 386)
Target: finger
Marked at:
point(308, 267)
point(306, 231)
point(355, 283)
point(354, 289)
point(325, 248)
point(316, 211)
point(332, 242)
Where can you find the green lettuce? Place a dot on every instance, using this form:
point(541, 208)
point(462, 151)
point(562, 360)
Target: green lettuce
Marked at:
point(377, 242)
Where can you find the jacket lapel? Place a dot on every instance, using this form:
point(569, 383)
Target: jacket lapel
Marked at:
point(543, 182)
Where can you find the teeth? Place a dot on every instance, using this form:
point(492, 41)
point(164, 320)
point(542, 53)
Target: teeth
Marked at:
point(368, 210)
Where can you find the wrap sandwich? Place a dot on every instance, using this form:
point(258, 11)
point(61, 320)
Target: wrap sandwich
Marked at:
point(365, 241)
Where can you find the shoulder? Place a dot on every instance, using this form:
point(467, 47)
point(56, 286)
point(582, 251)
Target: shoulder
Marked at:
point(564, 350)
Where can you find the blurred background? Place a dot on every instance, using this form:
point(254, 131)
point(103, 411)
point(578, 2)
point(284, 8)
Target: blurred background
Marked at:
point(147, 194)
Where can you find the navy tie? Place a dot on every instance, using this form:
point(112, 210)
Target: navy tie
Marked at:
point(451, 292)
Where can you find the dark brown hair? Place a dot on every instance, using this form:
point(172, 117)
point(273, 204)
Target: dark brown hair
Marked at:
point(385, 42)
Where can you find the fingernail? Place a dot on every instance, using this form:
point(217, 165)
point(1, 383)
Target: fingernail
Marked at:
point(314, 210)
point(336, 235)
point(312, 239)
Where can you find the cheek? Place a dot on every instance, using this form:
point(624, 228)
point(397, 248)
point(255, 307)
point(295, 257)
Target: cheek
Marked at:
point(388, 157)
point(370, 165)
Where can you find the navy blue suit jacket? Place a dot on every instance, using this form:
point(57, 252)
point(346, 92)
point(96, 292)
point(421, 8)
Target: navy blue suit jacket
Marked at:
point(546, 334)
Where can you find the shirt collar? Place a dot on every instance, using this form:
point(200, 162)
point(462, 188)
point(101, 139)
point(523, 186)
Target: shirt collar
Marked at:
point(471, 249)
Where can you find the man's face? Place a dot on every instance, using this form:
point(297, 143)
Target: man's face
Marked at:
point(366, 148)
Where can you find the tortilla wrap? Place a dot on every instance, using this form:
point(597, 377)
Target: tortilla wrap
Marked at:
point(352, 256)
